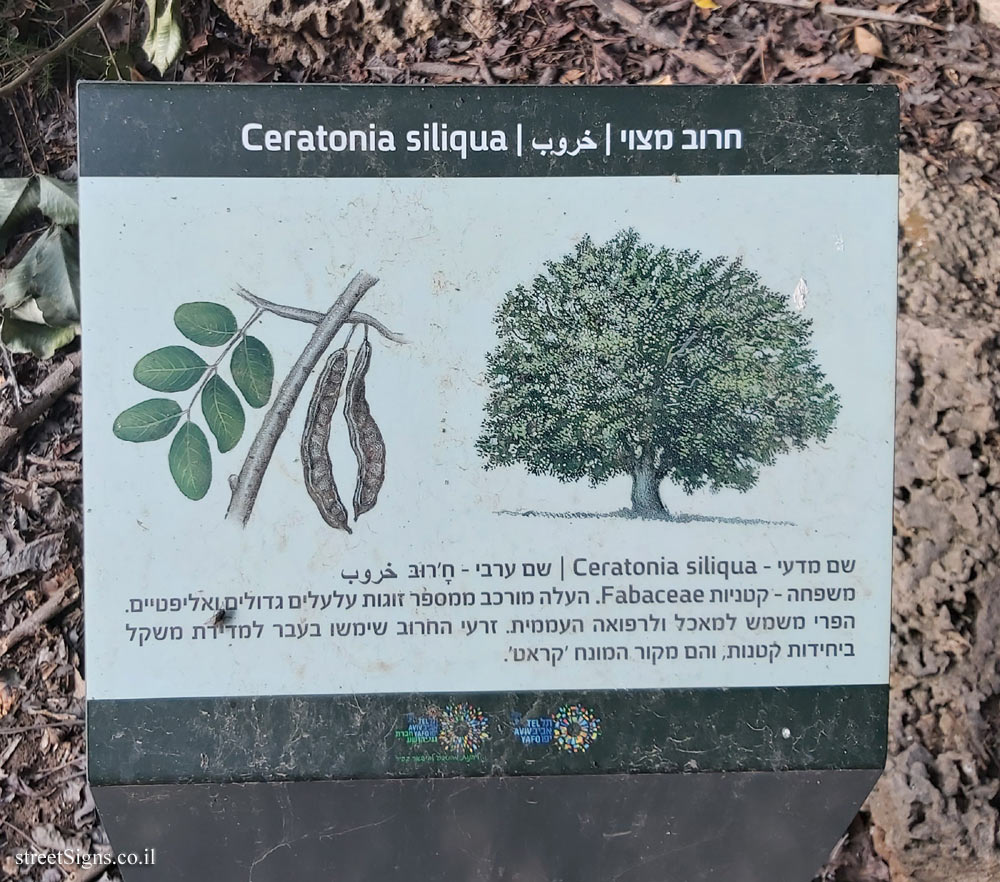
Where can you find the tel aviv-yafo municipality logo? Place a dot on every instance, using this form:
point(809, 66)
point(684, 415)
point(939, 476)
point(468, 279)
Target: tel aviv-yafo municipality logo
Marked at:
point(463, 728)
point(575, 728)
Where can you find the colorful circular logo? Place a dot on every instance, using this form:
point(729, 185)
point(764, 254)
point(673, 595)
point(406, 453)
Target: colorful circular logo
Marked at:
point(463, 728)
point(576, 728)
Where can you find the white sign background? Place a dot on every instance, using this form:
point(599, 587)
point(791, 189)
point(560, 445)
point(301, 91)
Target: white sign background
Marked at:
point(445, 252)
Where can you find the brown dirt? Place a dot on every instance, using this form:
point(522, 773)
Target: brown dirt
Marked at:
point(44, 798)
point(303, 32)
point(936, 811)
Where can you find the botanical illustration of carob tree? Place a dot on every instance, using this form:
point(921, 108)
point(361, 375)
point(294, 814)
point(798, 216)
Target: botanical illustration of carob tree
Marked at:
point(177, 368)
point(628, 359)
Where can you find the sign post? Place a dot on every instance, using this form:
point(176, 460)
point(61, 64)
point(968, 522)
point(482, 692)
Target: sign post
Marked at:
point(486, 483)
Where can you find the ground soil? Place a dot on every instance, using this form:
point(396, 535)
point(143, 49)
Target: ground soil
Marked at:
point(936, 810)
point(935, 815)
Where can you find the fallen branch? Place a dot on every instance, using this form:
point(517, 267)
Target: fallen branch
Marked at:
point(247, 484)
point(982, 71)
point(854, 12)
point(755, 56)
point(444, 69)
point(59, 476)
point(455, 71)
point(636, 22)
point(27, 838)
point(60, 380)
point(91, 874)
point(51, 608)
point(639, 25)
point(56, 724)
point(8, 366)
point(52, 54)
point(311, 316)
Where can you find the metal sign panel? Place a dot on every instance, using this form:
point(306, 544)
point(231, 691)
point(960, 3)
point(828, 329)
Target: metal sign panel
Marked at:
point(486, 431)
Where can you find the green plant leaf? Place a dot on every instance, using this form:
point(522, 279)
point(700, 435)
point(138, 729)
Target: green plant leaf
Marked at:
point(223, 413)
point(15, 286)
point(170, 369)
point(18, 197)
point(42, 341)
point(57, 201)
point(164, 41)
point(253, 371)
point(207, 324)
point(56, 283)
point(191, 461)
point(49, 272)
point(147, 421)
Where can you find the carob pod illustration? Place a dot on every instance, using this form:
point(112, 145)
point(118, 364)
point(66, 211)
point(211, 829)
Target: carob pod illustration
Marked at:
point(366, 438)
point(316, 463)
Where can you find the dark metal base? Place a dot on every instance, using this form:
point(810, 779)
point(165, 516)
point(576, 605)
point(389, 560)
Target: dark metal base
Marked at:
point(726, 827)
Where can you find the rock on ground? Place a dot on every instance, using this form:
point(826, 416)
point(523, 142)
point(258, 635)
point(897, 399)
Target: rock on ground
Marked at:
point(936, 811)
point(989, 12)
point(313, 32)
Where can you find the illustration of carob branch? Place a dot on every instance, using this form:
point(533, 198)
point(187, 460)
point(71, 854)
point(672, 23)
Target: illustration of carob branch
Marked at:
point(176, 368)
point(311, 316)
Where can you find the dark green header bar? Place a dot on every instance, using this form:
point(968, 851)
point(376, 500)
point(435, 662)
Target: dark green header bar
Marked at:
point(189, 130)
point(317, 737)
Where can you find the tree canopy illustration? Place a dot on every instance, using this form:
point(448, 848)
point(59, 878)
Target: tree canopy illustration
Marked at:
point(629, 359)
point(213, 326)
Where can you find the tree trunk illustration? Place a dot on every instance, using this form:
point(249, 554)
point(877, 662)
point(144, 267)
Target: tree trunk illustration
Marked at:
point(646, 502)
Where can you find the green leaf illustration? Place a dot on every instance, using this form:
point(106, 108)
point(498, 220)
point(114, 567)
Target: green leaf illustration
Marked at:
point(170, 369)
point(207, 324)
point(253, 371)
point(223, 413)
point(147, 421)
point(191, 461)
